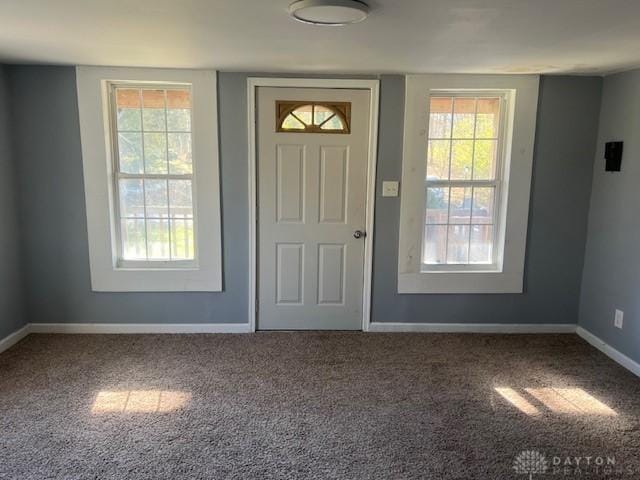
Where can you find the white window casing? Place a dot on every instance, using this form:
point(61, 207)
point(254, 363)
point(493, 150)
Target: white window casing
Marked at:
point(519, 95)
point(109, 271)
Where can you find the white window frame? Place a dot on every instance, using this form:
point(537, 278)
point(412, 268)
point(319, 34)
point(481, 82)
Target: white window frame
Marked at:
point(108, 272)
point(505, 274)
point(506, 98)
point(118, 175)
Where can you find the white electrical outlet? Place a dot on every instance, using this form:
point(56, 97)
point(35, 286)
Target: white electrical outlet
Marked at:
point(619, 318)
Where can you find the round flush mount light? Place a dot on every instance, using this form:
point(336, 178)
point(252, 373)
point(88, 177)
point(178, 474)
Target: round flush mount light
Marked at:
point(329, 12)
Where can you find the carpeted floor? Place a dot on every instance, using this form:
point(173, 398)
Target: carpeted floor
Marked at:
point(314, 406)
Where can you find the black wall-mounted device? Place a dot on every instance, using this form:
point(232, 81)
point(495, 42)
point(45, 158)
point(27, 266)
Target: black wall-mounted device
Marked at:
point(613, 156)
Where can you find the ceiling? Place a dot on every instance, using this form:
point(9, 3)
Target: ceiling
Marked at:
point(489, 36)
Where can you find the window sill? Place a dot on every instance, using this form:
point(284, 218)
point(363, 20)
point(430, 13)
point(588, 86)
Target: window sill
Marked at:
point(156, 267)
point(155, 280)
point(460, 282)
point(465, 268)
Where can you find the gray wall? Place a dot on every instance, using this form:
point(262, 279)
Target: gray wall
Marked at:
point(11, 299)
point(54, 223)
point(565, 140)
point(54, 217)
point(612, 261)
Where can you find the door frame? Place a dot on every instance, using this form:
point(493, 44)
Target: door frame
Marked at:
point(330, 83)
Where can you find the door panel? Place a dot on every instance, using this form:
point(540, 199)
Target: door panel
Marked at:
point(311, 198)
point(290, 183)
point(333, 184)
point(331, 274)
point(289, 273)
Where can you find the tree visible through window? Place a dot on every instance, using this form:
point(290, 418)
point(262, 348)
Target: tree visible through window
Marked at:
point(462, 179)
point(154, 173)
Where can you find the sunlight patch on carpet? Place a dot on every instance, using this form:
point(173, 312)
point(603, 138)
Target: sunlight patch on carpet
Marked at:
point(573, 401)
point(139, 401)
point(570, 400)
point(517, 400)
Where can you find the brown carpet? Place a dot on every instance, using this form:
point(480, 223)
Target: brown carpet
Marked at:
point(313, 406)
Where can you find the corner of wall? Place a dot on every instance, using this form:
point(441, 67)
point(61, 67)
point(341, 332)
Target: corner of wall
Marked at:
point(594, 149)
point(13, 305)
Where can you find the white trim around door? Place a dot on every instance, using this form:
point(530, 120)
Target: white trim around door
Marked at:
point(373, 86)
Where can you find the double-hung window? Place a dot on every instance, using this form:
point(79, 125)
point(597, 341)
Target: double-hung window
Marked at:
point(152, 189)
point(467, 160)
point(463, 180)
point(154, 176)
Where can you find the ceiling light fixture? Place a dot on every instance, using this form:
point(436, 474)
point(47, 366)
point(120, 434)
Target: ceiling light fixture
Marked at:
point(329, 12)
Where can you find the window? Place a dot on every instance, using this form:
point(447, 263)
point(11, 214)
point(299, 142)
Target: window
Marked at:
point(154, 175)
point(312, 117)
point(468, 153)
point(150, 160)
point(463, 171)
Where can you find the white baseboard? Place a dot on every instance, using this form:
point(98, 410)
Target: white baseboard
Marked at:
point(13, 338)
point(139, 328)
point(609, 351)
point(132, 328)
point(472, 327)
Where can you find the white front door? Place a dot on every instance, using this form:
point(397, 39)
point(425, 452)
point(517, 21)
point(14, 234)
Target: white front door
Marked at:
point(311, 202)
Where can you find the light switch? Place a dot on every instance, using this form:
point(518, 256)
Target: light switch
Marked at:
point(389, 189)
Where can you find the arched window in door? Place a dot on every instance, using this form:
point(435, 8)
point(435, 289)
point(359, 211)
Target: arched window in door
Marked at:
point(312, 117)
